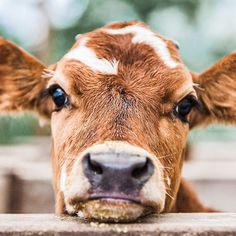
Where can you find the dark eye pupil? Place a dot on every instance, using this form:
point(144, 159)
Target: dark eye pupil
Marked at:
point(183, 108)
point(59, 97)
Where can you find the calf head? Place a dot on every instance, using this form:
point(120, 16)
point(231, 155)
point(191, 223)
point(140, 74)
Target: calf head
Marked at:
point(121, 103)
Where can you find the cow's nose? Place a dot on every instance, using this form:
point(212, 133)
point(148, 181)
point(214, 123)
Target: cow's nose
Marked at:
point(117, 172)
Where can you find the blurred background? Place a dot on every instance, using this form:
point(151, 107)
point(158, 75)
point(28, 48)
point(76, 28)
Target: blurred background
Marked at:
point(205, 30)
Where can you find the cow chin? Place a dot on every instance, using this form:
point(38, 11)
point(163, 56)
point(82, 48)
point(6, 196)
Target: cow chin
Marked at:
point(112, 210)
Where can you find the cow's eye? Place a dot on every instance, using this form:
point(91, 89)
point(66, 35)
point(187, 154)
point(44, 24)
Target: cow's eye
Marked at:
point(184, 107)
point(59, 97)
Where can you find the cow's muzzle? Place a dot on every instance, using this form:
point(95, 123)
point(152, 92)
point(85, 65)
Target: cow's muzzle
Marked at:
point(117, 175)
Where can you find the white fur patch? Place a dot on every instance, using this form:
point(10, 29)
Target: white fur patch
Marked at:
point(143, 35)
point(168, 181)
point(116, 147)
point(63, 179)
point(89, 58)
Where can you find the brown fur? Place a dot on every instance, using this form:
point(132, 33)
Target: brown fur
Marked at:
point(21, 82)
point(136, 105)
point(217, 93)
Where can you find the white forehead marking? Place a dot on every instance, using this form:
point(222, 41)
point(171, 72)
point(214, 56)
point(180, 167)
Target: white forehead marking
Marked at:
point(143, 35)
point(89, 58)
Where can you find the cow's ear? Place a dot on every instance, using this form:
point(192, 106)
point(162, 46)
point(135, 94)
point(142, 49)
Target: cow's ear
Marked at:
point(21, 81)
point(216, 90)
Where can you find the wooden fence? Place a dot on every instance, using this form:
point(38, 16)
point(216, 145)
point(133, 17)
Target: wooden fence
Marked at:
point(167, 224)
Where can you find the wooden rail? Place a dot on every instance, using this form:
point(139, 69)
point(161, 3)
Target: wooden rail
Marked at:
point(166, 224)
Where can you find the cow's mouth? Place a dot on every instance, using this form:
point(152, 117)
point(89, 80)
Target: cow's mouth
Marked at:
point(112, 210)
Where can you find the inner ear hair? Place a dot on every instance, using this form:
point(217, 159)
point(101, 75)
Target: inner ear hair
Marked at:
point(198, 86)
point(47, 73)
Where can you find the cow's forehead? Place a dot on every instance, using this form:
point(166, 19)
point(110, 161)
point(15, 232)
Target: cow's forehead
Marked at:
point(105, 48)
point(128, 50)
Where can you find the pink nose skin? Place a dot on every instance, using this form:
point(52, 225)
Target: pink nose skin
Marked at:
point(116, 175)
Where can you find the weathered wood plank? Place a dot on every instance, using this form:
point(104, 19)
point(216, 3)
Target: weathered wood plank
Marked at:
point(166, 224)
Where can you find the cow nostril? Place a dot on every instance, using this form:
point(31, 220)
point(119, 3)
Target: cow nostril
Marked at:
point(143, 169)
point(93, 165)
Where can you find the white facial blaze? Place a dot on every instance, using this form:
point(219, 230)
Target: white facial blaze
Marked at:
point(87, 56)
point(143, 35)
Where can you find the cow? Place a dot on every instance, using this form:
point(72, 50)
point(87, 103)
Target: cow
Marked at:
point(121, 103)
